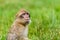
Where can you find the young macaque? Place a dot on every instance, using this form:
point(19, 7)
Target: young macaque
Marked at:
point(19, 28)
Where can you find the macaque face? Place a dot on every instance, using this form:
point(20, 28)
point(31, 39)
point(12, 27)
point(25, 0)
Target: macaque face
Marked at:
point(25, 17)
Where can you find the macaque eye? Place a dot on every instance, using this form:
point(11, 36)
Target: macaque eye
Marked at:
point(25, 13)
point(28, 14)
point(21, 16)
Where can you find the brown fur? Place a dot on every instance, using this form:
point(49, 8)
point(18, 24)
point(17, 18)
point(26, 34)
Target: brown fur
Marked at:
point(19, 29)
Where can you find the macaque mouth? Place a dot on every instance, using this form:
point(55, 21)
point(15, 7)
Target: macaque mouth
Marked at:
point(27, 19)
point(27, 22)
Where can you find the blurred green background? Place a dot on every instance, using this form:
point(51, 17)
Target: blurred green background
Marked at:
point(45, 16)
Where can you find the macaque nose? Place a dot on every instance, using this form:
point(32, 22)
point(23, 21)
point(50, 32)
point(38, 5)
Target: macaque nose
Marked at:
point(26, 16)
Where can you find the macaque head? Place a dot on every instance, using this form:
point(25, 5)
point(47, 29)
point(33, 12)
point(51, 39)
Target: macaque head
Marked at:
point(23, 17)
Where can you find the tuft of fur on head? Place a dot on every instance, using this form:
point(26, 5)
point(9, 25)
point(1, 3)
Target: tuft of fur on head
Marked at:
point(21, 12)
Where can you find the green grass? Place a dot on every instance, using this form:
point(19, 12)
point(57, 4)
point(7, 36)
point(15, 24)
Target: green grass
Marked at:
point(45, 16)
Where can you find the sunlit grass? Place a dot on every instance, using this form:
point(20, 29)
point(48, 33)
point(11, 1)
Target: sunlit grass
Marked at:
point(45, 18)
